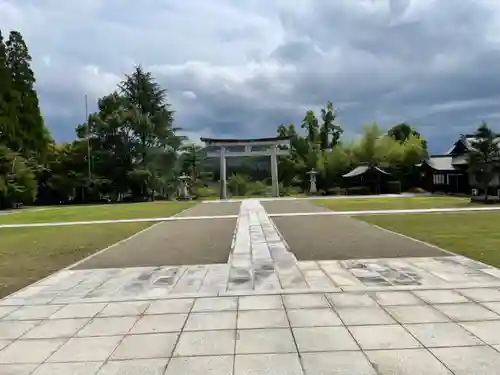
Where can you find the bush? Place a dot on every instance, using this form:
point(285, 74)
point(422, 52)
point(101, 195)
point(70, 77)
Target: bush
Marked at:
point(288, 190)
point(335, 191)
point(206, 192)
point(416, 190)
point(358, 190)
point(394, 187)
point(257, 188)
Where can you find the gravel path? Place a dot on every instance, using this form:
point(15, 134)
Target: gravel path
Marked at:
point(339, 237)
point(342, 237)
point(212, 209)
point(171, 243)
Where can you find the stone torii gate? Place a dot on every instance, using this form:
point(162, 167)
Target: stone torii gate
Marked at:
point(265, 147)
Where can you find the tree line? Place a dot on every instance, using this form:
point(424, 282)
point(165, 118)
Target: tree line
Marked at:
point(127, 150)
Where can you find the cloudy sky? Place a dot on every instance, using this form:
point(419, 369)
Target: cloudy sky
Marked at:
point(239, 68)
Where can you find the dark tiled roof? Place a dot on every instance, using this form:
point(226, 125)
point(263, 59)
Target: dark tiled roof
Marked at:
point(441, 163)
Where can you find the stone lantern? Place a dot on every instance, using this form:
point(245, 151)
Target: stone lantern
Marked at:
point(312, 181)
point(183, 189)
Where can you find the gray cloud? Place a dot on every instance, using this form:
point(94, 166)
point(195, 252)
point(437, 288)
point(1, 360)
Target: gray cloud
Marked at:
point(242, 67)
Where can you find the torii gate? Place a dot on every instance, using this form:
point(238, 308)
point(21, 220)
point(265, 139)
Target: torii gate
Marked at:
point(272, 150)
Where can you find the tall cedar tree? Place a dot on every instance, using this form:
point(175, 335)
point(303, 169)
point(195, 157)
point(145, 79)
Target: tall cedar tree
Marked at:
point(6, 128)
point(31, 135)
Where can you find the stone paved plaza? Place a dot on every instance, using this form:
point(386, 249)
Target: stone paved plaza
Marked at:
point(262, 311)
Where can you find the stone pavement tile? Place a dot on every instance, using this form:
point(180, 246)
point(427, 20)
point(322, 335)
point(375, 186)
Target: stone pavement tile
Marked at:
point(364, 315)
point(49, 329)
point(33, 312)
point(416, 314)
point(6, 310)
point(383, 337)
point(206, 321)
point(313, 318)
point(135, 367)
point(493, 306)
point(159, 323)
point(271, 340)
point(215, 304)
point(29, 351)
point(497, 347)
point(108, 326)
point(86, 368)
point(351, 299)
point(475, 360)
point(488, 331)
point(337, 363)
point(17, 369)
point(205, 343)
point(440, 296)
point(305, 301)
point(171, 306)
point(267, 364)
point(433, 335)
point(481, 294)
point(79, 310)
point(466, 311)
point(323, 339)
point(262, 319)
point(86, 349)
point(4, 343)
point(396, 298)
point(125, 308)
point(157, 345)
point(260, 303)
point(406, 362)
point(10, 330)
point(210, 365)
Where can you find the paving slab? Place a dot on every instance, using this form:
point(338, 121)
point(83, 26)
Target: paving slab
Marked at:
point(342, 237)
point(170, 243)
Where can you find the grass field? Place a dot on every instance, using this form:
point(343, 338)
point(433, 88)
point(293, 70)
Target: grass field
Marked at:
point(29, 254)
point(473, 234)
point(95, 212)
point(400, 203)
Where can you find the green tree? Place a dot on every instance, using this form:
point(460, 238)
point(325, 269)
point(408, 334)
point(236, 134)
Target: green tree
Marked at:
point(311, 125)
point(191, 160)
point(6, 126)
point(134, 143)
point(484, 159)
point(17, 179)
point(31, 135)
point(330, 132)
point(402, 132)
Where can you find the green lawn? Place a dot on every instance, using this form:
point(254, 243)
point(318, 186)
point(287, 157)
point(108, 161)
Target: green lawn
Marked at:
point(95, 212)
point(473, 234)
point(365, 204)
point(29, 254)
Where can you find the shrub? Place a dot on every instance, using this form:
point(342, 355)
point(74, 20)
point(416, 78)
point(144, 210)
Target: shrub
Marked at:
point(416, 190)
point(336, 191)
point(257, 188)
point(358, 190)
point(206, 192)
